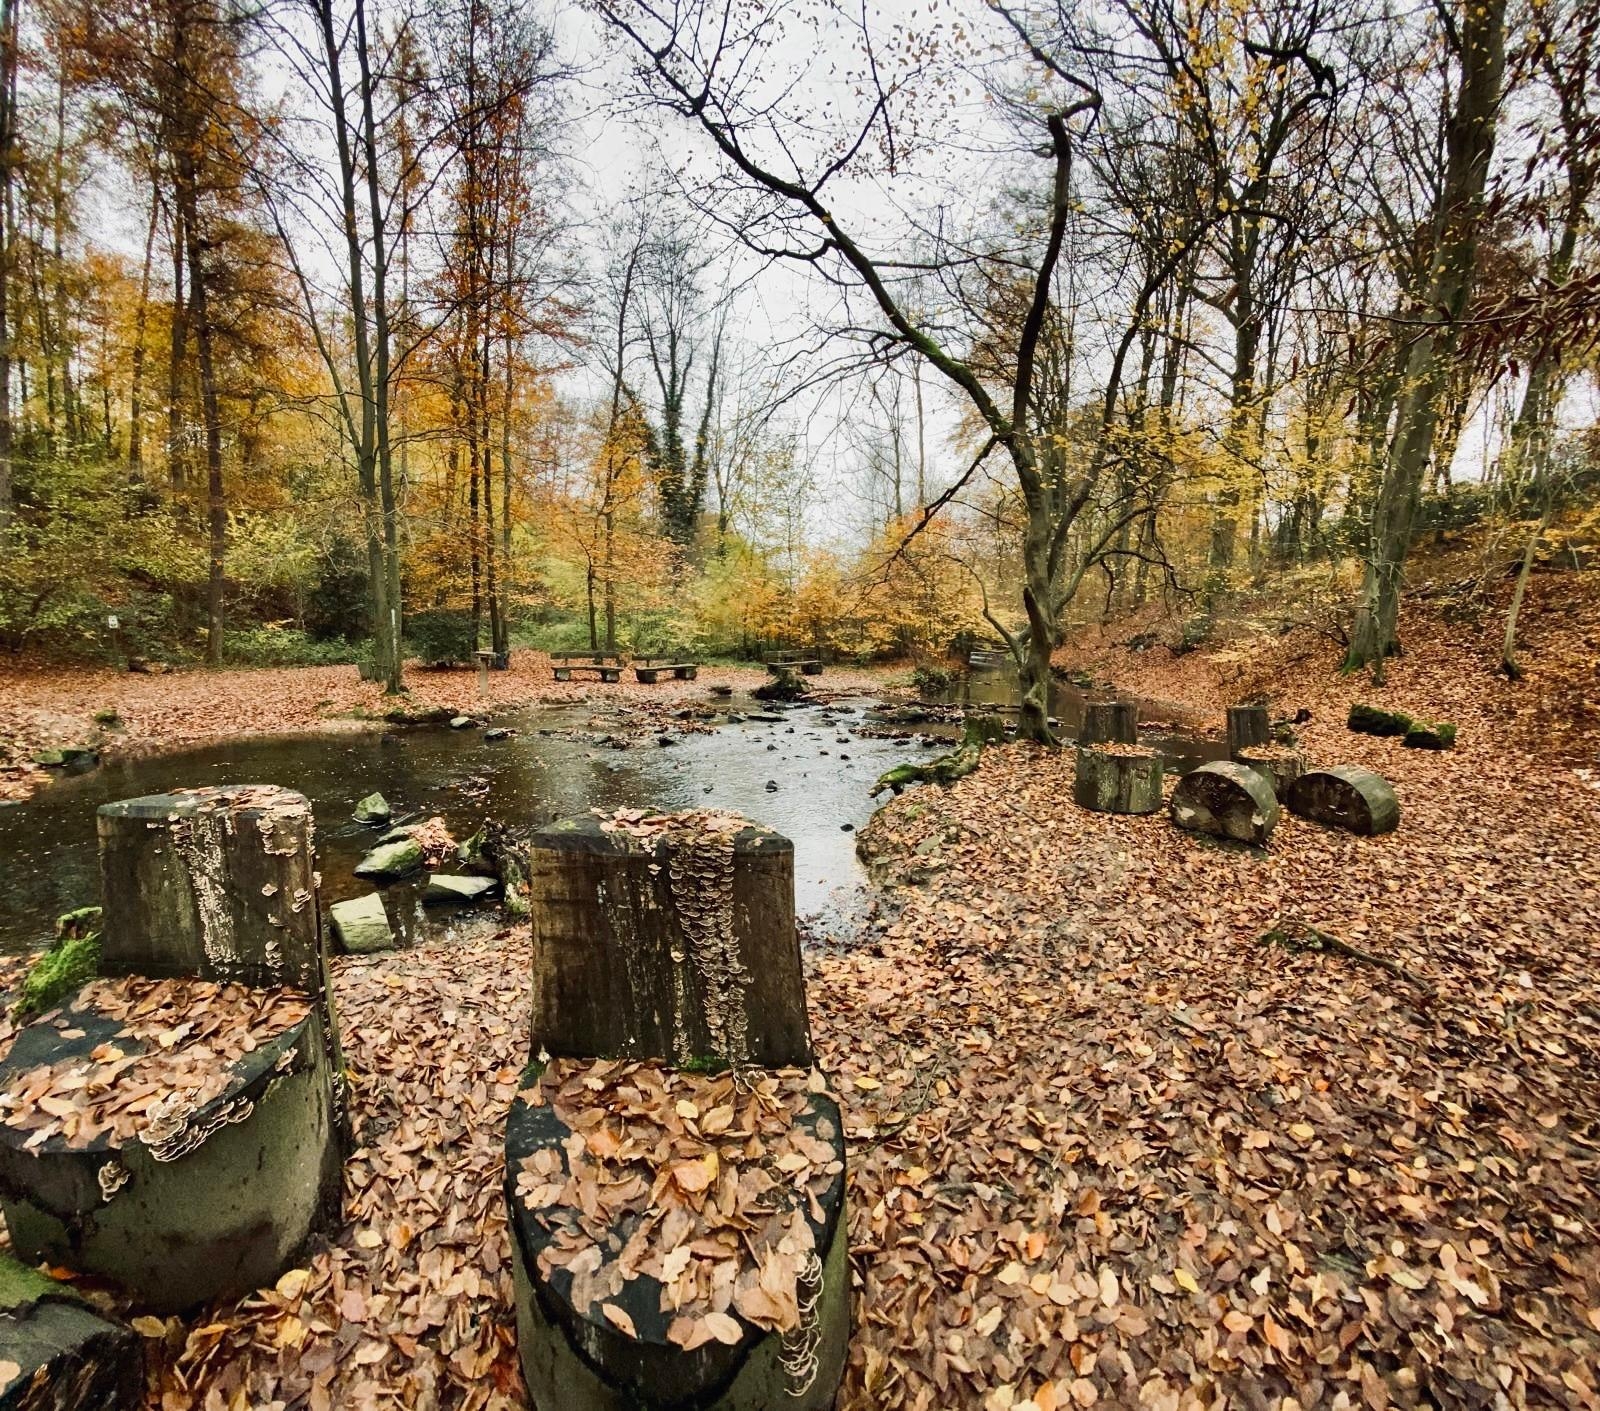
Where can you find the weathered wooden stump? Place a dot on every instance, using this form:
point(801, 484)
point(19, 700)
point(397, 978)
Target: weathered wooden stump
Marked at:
point(56, 1354)
point(662, 943)
point(1226, 800)
point(1279, 765)
point(673, 945)
point(1110, 722)
point(214, 1188)
point(1110, 780)
point(1247, 725)
point(1347, 797)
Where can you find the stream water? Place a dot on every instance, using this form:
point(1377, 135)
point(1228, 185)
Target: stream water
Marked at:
point(48, 848)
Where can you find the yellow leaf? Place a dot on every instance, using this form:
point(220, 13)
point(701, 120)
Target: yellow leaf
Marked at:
point(1302, 1131)
point(723, 1328)
point(1186, 1280)
point(687, 1110)
point(868, 1084)
point(9, 1371)
point(149, 1327)
point(618, 1318)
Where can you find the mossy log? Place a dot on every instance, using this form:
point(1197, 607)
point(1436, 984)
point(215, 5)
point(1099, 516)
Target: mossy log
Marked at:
point(1226, 800)
point(945, 769)
point(56, 1354)
point(1109, 782)
point(1278, 765)
point(1247, 725)
point(220, 1206)
point(577, 1359)
point(1422, 736)
point(1347, 797)
point(666, 949)
point(1110, 723)
point(1371, 720)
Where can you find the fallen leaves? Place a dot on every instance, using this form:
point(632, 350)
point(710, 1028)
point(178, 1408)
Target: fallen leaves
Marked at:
point(169, 1047)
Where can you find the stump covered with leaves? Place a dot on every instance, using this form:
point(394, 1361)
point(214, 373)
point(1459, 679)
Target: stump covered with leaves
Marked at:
point(675, 1178)
point(1347, 797)
point(1118, 779)
point(1278, 765)
point(1226, 800)
point(56, 1354)
point(176, 1125)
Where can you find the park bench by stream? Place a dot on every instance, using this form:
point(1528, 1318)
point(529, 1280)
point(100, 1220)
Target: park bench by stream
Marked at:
point(794, 661)
point(648, 669)
point(606, 665)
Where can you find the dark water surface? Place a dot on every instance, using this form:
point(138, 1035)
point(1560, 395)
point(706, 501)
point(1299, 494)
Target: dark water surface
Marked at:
point(48, 852)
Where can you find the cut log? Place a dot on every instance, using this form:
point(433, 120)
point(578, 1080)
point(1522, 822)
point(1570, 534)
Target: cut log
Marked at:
point(1279, 765)
point(577, 1358)
point(1347, 797)
point(1247, 725)
point(1111, 782)
point(681, 946)
point(1226, 800)
point(1110, 722)
point(56, 1354)
point(983, 730)
point(214, 882)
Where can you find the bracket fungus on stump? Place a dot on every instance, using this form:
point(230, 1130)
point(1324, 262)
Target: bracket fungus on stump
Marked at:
point(1226, 800)
point(664, 1259)
point(212, 931)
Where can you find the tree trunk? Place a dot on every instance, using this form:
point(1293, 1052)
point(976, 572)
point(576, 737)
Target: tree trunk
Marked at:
point(1469, 146)
point(140, 320)
point(8, 155)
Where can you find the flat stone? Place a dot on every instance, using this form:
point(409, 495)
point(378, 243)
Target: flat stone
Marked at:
point(498, 732)
point(373, 809)
point(445, 889)
point(461, 722)
point(362, 924)
point(389, 860)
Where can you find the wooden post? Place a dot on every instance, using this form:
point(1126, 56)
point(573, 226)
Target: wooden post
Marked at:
point(214, 882)
point(1247, 725)
point(680, 947)
point(1110, 722)
point(1226, 800)
point(484, 658)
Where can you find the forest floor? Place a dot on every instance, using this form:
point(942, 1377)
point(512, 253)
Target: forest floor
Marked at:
point(1108, 1146)
point(45, 705)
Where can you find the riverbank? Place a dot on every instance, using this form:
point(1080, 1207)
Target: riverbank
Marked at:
point(122, 713)
point(1109, 1144)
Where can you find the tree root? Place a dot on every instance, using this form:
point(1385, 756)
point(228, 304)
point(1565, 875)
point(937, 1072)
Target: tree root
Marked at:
point(946, 769)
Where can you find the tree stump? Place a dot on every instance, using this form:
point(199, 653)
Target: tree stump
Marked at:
point(213, 1200)
point(668, 939)
point(1247, 725)
point(1347, 797)
point(680, 945)
point(216, 1197)
point(1226, 800)
point(1110, 722)
point(577, 1357)
point(56, 1354)
point(215, 882)
point(987, 729)
point(1112, 781)
point(1279, 765)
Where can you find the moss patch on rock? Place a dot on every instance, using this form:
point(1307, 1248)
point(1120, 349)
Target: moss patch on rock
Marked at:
point(61, 971)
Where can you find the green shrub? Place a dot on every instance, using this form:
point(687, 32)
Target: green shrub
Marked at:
point(283, 646)
point(932, 679)
point(441, 634)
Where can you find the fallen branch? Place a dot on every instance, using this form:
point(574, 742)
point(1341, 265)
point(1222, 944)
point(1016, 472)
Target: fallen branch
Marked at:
point(1297, 936)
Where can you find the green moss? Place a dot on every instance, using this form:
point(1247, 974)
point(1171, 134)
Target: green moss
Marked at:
point(532, 1073)
point(21, 1286)
point(107, 717)
point(1370, 720)
point(1429, 737)
point(983, 730)
point(707, 1063)
point(79, 924)
point(62, 970)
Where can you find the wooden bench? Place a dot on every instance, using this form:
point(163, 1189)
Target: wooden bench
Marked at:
point(648, 669)
point(607, 665)
point(983, 659)
point(795, 661)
